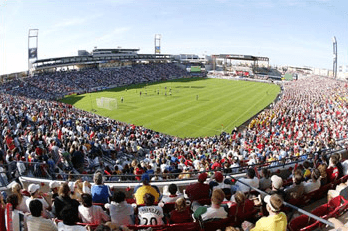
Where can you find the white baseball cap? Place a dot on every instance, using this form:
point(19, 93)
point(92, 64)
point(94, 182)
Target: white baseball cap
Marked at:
point(54, 184)
point(277, 181)
point(33, 188)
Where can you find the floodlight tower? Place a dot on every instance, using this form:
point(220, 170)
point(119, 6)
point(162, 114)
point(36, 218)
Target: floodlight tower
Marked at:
point(334, 41)
point(33, 37)
point(158, 43)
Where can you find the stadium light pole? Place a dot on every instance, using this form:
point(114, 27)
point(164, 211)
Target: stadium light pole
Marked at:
point(32, 46)
point(158, 43)
point(334, 41)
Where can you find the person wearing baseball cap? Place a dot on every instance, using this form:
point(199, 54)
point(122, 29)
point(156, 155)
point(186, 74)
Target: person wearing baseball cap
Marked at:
point(276, 220)
point(198, 190)
point(277, 186)
point(140, 191)
point(54, 186)
point(220, 182)
point(35, 194)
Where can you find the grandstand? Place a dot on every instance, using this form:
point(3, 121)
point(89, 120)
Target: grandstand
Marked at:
point(46, 141)
point(98, 58)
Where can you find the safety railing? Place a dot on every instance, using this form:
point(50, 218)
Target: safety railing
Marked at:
point(45, 171)
point(289, 205)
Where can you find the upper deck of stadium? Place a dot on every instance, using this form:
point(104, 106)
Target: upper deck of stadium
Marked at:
point(99, 56)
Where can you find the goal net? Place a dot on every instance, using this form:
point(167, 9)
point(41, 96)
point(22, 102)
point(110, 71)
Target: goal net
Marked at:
point(107, 103)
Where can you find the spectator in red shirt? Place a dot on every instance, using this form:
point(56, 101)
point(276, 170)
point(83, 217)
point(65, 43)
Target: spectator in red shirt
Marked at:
point(188, 162)
point(198, 190)
point(332, 170)
point(181, 214)
point(138, 171)
point(242, 206)
point(216, 165)
point(9, 142)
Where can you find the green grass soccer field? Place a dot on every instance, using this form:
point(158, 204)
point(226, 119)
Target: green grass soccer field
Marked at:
point(184, 107)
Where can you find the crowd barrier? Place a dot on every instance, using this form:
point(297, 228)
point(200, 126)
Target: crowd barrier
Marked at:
point(34, 173)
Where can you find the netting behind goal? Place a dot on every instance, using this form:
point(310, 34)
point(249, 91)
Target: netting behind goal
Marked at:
point(107, 103)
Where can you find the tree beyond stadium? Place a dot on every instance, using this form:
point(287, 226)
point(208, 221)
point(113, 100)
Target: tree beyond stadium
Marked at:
point(184, 107)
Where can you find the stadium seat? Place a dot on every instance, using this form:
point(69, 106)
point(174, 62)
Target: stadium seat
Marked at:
point(338, 206)
point(335, 202)
point(144, 227)
point(130, 201)
point(212, 225)
point(321, 192)
point(301, 223)
point(322, 211)
point(191, 226)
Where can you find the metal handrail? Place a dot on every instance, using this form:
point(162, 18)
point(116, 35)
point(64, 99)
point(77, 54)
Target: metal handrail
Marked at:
point(235, 170)
point(290, 205)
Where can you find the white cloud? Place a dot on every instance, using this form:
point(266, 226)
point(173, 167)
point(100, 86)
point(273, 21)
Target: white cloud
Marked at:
point(69, 23)
point(116, 32)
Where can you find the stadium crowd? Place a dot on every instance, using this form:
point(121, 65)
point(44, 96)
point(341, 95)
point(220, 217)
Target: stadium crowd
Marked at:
point(50, 139)
point(53, 85)
point(307, 119)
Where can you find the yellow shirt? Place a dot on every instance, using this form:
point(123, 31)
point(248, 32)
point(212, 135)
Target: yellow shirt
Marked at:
point(307, 173)
point(139, 194)
point(271, 223)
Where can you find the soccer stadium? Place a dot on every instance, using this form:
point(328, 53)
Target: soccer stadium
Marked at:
point(118, 139)
point(119, 132)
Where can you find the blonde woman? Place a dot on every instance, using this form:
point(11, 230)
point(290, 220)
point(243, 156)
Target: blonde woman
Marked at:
point(78, 190)
point(16, 189)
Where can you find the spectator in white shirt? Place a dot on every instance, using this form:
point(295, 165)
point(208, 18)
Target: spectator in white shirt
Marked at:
point(121, 213)
point(314, 183)
point(90, 213)
point(251, 180)
point(173, 196)
point(35, 193)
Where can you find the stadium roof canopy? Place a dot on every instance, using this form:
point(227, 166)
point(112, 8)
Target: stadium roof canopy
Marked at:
point(92, 59)
point(241, 57)
point(117, 50)
point(301, 68)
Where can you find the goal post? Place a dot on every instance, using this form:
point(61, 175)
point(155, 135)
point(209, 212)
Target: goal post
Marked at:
point(107, 103)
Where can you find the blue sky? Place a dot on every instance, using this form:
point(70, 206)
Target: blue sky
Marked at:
point(289, 32)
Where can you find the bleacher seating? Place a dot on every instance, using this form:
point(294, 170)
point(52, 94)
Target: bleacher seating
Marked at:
point(334, 208)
